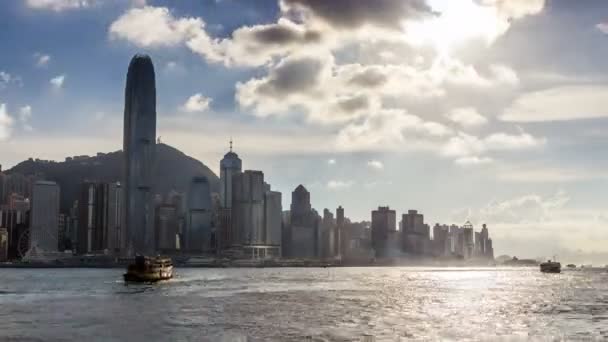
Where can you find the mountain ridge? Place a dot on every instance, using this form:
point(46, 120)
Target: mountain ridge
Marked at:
point(173, 171)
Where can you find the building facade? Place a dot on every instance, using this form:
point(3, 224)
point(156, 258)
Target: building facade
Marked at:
point(44, 217)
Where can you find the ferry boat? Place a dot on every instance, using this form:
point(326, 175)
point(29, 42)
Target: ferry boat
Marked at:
point(551, 267)
point(149, 269)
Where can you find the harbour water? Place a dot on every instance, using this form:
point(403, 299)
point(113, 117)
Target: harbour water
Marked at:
point(305, 304)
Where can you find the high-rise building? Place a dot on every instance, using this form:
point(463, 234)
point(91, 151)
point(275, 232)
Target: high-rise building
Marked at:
point(3, 244)
point(304, 229)
point(340, 233)
point(441, 240)
point(273, 221)
point(166, 228)
point(384, 229)
point(44, 217)
point(139, 153)
point(99, 216)
point(328, 234)
point(230, 165)
point(469, 242)
point(248, 208)
point(199, 217)
point(415, 234)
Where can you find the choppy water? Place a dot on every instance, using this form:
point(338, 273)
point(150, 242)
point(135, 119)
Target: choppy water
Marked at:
point(305, 304)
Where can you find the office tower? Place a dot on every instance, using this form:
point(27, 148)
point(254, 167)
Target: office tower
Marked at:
point(415, 234)
point(3, 244)
point(304, 229)
point(328, 228)
point(99, 217)
point(166, 223)
point(44, 216)
point(468, 236)
point(441, 240)
point(340, 236)
point(384, 228)
point(486, 243)
point(198, 235)
point(139, 153)
point(478, 248)
point(230, 165)
point(248, 208)
point(273, 221)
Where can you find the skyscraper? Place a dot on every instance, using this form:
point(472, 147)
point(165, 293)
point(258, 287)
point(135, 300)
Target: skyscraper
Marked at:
point(199, 216)
point(139, 151)
point(99, 211)
point(305, 235)
point(44, 217)
point(248, 208)
point(384, 228)
point(229, 166)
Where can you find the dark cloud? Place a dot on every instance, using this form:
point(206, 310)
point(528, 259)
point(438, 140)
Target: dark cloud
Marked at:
point(354, 13)
point(354, 103)
point(282, 34)
point(369, 78)
point(292, 76)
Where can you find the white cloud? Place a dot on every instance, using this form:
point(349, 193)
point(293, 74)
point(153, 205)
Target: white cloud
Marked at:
point(466, 145)
point(6, 79)
point(339, 185)
point(473, 161)
point(331, 162)
point(375, 164)
point(603, 27)
point(42, 59)
point(561, 103)
point(196, 103)
point(25, 113)
point(59, 5)
point(57, 82)
point(6, 123)
point(467, 117)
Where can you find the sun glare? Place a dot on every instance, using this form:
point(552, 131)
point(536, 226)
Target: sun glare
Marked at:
point(457, 22)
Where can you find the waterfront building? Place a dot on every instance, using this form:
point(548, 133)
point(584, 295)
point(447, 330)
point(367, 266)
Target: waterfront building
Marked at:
point(415, 234)
point(199, 218)
point(167, 225)
point(340, 235)
point(384, 229)
point(328, 233)
point(3, 244)
point(469, 243)
point(305, 225)
point(100, 207)
point(441, 240)
point(139, 153)
point(230, 165)
point(273, 222)
point(44, 217)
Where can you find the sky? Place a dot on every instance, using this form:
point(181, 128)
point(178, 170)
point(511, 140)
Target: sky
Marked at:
point(493, 111)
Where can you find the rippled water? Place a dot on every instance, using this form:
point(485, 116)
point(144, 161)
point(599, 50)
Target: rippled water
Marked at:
point(305, 304)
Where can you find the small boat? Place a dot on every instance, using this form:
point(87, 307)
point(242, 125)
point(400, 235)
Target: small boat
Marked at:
point(571, 266)
point(551, 267)
point(149, 269)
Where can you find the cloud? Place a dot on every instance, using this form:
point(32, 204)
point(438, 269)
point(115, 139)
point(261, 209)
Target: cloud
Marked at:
point(25, 113)
point(375, 164)
point(339, 185)
point(467, 117)
point(528, 208)
point(58, 5)
point(42, 59)
point(331, 162)
point(6, 123)
point(349, 14)
point(196, 103)
point(558, 104)
point(7, 79)
point(154, 27)
point(473, 161)
point(57, 82)
point(603, 27)
point(466, 145)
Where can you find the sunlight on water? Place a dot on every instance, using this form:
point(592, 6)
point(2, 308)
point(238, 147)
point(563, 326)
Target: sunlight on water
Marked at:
point(340, 304)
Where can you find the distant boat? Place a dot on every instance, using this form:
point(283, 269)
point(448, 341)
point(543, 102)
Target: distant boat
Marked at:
point(551, 267)
point(571, 266)
point(149, 269)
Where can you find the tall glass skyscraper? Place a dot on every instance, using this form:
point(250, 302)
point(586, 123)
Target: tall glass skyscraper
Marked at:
point(139, 151)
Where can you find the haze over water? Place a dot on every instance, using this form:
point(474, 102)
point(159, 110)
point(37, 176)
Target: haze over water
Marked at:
point(283, 304)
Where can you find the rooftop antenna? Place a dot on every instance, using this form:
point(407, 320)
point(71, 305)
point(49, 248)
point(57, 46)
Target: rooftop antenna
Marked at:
point(230, 144)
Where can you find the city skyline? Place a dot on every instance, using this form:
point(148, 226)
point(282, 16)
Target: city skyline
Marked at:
point(485, 140)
